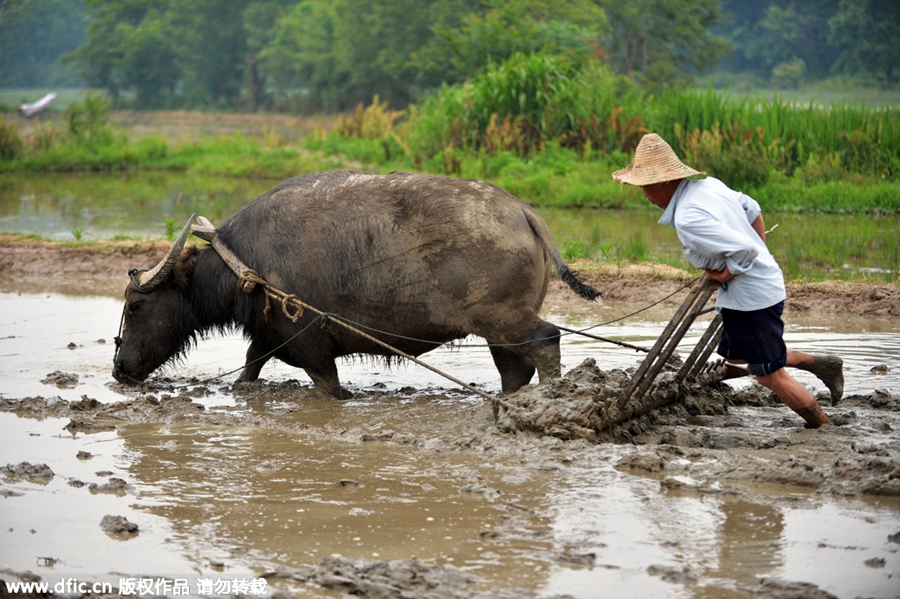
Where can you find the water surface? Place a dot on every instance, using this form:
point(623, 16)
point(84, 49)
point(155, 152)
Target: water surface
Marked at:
point(217, 501)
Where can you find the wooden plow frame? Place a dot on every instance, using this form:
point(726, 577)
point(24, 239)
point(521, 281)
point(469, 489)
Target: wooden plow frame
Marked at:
point(662, 350)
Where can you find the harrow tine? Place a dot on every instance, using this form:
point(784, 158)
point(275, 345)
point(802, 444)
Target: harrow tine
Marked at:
point(671, 336)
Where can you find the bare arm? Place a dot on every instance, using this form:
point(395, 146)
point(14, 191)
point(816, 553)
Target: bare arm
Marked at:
point(760, 227)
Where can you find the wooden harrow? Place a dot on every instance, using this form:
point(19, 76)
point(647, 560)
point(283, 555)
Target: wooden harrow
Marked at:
point(694, 305)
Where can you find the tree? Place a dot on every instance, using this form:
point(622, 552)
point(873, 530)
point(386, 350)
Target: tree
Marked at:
point(169, 52)
point(867, 36)
point(211, 44)
point(658, 42)
point(299, 60)
point(33, 35)
point(334, 54)
point(149, 62)
point(377, 43)
point(118, 40)
point(507, 27)
point(791, 30)
point(260, 20)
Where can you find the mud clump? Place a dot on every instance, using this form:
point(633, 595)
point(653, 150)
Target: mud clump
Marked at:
point(63, 380)
point(771, 588)
point(39, 474)
point(680, 432)
point(118, 526)
point(411, 578)
point(115, 486)
point(695, 438)
point(89, 415)
point(87, 427)
point(585, 403)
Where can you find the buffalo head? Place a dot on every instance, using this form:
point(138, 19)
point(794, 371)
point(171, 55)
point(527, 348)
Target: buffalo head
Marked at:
point(156, 324)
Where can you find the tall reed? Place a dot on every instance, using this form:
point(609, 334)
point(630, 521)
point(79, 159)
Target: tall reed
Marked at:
point(788, 136)
point(525, 104)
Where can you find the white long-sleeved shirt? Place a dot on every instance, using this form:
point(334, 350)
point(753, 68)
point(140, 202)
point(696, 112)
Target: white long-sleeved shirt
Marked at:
point(713, 223)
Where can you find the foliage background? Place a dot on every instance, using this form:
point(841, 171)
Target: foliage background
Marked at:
point(545, 98)
point(329, 55)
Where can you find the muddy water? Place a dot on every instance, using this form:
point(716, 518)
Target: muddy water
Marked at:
point(409, 468)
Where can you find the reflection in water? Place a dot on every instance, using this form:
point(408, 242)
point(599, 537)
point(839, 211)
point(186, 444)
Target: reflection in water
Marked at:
point(222, 500)
point(750, 542)
point(704, 542)
point(45, 332)
point(95, 206)
point(282, 499)
point(55, 205)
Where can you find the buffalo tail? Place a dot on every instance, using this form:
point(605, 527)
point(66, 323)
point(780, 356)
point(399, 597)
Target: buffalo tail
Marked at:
point(565, 273)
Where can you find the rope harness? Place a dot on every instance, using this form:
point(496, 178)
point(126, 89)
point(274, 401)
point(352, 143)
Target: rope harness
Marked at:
point(248, 279)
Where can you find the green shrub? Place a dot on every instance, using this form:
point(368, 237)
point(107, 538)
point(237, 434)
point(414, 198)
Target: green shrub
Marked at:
point(373, 122)
point(788, 74)
point(44, 136)
point(867, 139)
point(739, 157)
point(151, 149)
point(525, 105)
point(844, 196)
point(10, 140)
point(821, 169)
point(634, 249)
point(574, 249)
point(88, 119)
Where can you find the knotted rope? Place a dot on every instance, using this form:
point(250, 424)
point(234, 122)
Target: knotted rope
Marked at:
point(248, 279)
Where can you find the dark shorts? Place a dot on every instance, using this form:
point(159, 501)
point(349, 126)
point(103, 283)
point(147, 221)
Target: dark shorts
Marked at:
point(756, 337)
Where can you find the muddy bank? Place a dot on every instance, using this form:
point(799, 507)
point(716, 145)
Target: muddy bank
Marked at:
point(412, 579)
point(101, 267)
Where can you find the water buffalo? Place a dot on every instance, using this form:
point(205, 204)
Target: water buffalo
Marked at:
point(427, 259)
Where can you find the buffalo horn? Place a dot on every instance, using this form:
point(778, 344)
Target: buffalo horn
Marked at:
point(148, 280)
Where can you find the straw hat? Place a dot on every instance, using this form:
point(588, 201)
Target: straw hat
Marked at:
point(654, 162)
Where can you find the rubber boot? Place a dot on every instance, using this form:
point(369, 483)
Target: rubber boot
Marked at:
point(830, 370)
point(813, 415)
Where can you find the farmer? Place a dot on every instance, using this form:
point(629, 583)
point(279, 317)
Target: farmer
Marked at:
point(722, 232)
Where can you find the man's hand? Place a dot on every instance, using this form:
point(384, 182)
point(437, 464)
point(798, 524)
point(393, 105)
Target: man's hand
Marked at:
point(721, 276)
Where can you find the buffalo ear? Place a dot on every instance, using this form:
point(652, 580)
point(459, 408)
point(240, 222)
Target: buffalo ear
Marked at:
point(184, 267)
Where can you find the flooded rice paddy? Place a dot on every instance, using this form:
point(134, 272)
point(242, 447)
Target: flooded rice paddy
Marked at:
point(411, 488)
point(66, 207)
point(273, 482)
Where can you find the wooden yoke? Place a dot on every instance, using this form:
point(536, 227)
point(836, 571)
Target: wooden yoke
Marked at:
point(205, 230)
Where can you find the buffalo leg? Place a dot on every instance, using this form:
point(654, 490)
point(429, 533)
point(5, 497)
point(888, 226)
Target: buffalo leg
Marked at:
point(256, 359)
point(515, 370)
point(325, 378)
point(541, 347)
point(547, 360)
